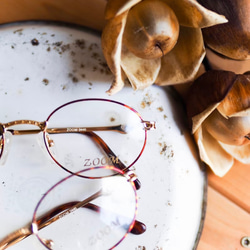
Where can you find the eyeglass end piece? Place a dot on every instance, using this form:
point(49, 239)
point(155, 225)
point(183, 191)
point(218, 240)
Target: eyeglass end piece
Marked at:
point(137, 184)
point(149, 125)
point(138, 228)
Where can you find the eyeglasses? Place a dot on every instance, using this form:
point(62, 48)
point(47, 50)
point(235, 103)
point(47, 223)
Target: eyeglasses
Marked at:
point(84, 213)
point(86, 133)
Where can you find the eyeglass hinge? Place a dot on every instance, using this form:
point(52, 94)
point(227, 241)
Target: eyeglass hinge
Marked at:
point(131, 175)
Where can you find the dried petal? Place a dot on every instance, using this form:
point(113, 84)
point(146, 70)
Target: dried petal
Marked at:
point(230, 39)
point(212, 153)
point(182, 63)
point(111, 46)
point(218, 62)
point(206, 93)
point(232, 131)
point(240, 153)
point(197, 120)
point(237, 101)
point(140, 72)
point(192, 14)
point(117, 7)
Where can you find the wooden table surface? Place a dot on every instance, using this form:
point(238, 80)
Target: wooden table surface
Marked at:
point(227, 218)
point(228, 204)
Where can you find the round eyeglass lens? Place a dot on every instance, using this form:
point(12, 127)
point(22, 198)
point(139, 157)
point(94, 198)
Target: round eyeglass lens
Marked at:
point(86, 213)
point(95, 132)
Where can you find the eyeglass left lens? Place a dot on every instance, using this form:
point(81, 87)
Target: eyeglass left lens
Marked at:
point(83, 213)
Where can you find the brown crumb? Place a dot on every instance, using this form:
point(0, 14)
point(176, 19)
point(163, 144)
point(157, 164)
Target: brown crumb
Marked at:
point(45, 81)
point(160, 109)
point(57, 44)
point(19, 31)
point(34, 42)
point(75, 79)
point(80, 43)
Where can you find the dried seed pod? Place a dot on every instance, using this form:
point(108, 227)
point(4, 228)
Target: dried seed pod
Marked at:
point(152, 29)
point(218, 106)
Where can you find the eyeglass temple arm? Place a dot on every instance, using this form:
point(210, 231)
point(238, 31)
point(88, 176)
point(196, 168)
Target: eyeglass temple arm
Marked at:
point(148, 125)
point(45, 220)
point(117, 128)
point(15, 237)
point(84, 130)
point(24, 232)
point(115, 160)
point(56, 214)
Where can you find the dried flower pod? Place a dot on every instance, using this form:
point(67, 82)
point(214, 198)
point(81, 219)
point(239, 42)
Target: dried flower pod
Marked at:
point(218, 106)
point(231, 39)
point(156, 37)
point(144, 62)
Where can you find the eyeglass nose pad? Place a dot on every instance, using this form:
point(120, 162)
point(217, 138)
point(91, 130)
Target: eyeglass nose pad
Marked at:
point(6, 147)
point(48, 243)
point(50, 144)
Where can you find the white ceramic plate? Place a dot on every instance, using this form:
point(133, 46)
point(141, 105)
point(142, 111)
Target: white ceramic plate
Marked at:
point(66, 65)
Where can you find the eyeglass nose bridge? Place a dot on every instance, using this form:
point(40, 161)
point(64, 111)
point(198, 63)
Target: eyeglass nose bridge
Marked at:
point(42, 126)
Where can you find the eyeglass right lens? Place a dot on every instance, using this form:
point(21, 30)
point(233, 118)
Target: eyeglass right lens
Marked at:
point(121, 137)
point(86, 213)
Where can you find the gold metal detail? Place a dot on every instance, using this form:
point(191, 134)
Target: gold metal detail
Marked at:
point(50, 141)
point(15, 237)
point(49, 243)
point(118, 128)
point(42, 126)
point(131, 175)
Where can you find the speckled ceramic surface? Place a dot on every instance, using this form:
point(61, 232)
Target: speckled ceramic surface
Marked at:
point(45, 65)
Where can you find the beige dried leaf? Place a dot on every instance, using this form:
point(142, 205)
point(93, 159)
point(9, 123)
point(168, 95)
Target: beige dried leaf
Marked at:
point(232, 105)
point(112, 47)
point(240, 153)
point(190, 13)
point(183, 62)
point(212, 153)
point(198, 119)
point(140, 72)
